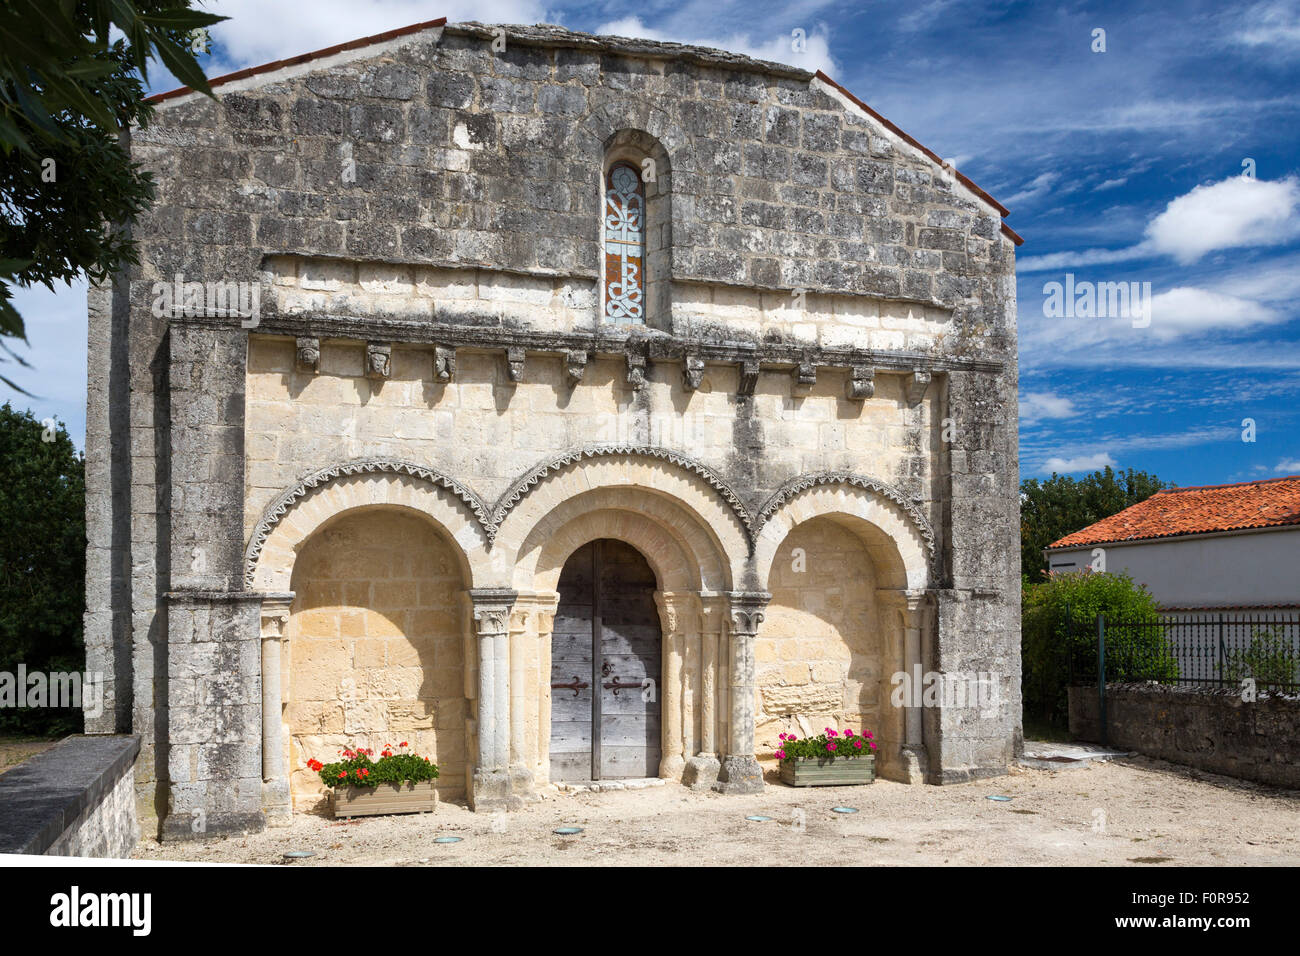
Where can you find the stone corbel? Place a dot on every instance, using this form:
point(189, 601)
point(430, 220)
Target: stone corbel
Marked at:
point(805, 377)
point(444, 363)
point(515, 363)
point(379, 360)
point(861, 383)
point(307, 354)
point(916, 384)
point(635, 371)
point(693, 373)
point(748, 376)
point(575, 363)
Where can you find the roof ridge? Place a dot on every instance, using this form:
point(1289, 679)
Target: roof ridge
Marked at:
point(1231, 484)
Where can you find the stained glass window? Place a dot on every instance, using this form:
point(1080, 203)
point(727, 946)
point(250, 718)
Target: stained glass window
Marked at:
point(624, 245)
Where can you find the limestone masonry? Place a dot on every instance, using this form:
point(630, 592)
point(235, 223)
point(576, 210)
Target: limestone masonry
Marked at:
point(421, 325)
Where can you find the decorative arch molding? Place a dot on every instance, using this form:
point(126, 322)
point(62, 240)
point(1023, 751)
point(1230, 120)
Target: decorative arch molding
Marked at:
point(523, 485)
point(802, 483)
point(360, 467)
point(842, 493)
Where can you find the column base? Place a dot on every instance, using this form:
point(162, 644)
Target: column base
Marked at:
point(491, 790)
point(522, 784)
point(672, 767)
point(739, 774)
point(913, 764)
point(276, 803)
point(701, 772)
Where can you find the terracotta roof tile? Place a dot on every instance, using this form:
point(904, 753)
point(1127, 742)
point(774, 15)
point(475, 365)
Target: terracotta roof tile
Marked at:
point(1210, 508)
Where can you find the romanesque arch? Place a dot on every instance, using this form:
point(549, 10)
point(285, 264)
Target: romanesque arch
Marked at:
point(299, 511)
point(687, 501)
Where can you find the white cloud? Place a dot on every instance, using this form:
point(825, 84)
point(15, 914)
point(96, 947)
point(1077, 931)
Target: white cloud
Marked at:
point(1289, 467)
point(779, 48)
point(1186, 311)
point(1236, 212)
point(1037, 406)
point(1269, 25)
point(1066, 466)
point(1040, 185)
point(1109, 184)
point(258, 32)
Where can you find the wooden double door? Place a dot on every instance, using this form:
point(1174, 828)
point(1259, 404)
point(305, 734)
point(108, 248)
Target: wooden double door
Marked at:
point(605, 667)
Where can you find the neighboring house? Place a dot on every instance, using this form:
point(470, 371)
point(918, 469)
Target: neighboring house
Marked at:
point(1223, 559)
point(575, 407)
point(1217, 546)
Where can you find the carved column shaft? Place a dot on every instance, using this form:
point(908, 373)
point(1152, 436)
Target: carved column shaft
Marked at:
point(740, 771)
point(275, 776)
point(491, 608)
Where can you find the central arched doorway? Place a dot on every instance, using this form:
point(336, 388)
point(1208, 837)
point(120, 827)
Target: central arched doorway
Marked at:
point(606, 655)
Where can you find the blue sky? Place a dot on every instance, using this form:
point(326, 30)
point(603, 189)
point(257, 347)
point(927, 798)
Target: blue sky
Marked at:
point(1118, 166)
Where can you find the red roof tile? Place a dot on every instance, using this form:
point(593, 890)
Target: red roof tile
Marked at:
point(1273, 503)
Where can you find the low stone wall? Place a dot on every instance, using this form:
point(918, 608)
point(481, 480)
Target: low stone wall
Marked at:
point(1209, 729)
point(75, 799)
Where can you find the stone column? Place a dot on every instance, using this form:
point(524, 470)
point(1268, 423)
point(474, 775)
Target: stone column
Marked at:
point(523, 625)
point(276, 802)
point(740, 772)
point(547, 604)
point(916, 624)
point(677, 619)
point(490, 785)
point(701, 770)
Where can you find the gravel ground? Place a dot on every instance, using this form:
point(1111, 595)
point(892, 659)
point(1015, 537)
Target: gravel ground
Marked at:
point(1129, 812)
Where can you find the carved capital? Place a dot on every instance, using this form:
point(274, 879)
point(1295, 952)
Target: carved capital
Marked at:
point(379, 360)
point(805, 377)
point(635, 371)
point(748, 376)
point(747, 611)
point(307, 354)
point(515, 363)
point(492, 608)
point(679, 611)
point(444, 363)
point(275, 615)
point(916, 384)
point(575, 363)
point(693, 373)
point(861, 384)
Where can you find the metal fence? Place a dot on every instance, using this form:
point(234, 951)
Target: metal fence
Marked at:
point(1225, 649)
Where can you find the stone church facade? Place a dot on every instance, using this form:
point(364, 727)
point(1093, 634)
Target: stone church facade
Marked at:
point(568, 407)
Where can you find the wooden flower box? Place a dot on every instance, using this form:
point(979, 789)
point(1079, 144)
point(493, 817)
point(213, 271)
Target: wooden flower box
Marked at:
point(385, 798)
point(828, 771)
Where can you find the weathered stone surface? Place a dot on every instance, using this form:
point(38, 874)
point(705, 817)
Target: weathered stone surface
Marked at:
point(823, 306)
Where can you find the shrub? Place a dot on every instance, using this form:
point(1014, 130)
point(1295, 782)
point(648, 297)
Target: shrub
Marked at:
point(358, 768)
point(830, 744)
point(1270, 660)
point(1059, 621)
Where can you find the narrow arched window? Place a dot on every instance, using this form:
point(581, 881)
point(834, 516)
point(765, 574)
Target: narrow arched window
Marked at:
point(625, 228)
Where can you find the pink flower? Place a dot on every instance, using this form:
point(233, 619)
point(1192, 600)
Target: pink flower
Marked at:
point(867, 735)
point(780, 755)
point(873, 746)
point(847, 732)
point(831, 732)
point(858, 744)
point(830, 747)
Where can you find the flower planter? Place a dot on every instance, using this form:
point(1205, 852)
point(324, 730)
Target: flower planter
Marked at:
point(828, 771)
point(385, 798)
